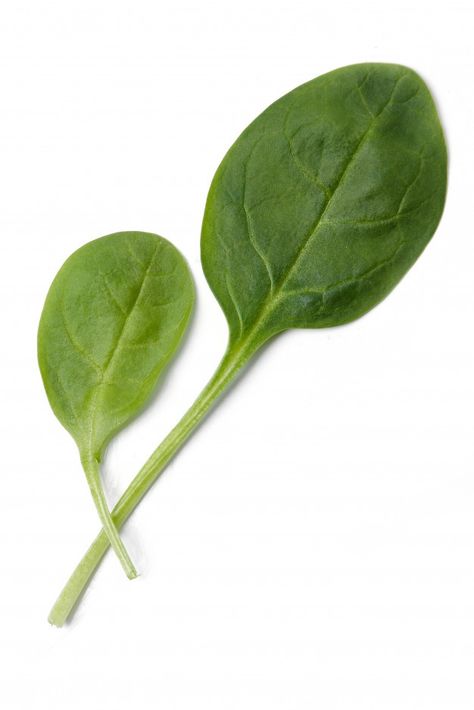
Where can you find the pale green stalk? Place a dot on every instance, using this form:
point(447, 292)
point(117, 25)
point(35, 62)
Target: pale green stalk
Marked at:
point(230, 365)
point(92, 470)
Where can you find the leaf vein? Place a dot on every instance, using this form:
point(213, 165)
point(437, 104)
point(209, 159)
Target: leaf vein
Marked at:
point(115, 349)
point(231, 293)
point(340, 181)
point(113, 297)
point(76, 344)
point(250, 232)
point(311, 177)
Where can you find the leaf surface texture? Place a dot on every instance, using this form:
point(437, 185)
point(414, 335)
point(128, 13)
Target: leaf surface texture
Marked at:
point(325, 201)
point(113, 318)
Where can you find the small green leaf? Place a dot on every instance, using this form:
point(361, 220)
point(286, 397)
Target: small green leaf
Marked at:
point(325, 201)
point(113, 318)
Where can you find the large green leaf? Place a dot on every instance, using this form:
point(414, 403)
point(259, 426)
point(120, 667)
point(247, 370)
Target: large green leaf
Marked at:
point(325, 201)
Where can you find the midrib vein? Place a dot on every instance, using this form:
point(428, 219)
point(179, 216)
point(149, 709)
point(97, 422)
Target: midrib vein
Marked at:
point(127, 318)
point(275, 296)
point(109, 364)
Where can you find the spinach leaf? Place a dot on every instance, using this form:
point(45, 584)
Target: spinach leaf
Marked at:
point(325, 201)
point(315, 214)
point(112, 320)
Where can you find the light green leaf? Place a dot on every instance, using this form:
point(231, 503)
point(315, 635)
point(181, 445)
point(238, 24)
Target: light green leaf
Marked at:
point(113, 318)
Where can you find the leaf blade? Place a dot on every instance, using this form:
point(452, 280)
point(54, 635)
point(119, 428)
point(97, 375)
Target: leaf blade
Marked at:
point(325, 201)
point(112, 320)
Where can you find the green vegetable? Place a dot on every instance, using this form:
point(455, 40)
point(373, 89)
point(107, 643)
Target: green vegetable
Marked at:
point(324, 202)
point(112, 320)
point(316, 212)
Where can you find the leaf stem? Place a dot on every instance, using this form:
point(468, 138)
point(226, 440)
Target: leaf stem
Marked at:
point(230, 365)
point(92, 470)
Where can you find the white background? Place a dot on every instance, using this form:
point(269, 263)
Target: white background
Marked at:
point(313, 544)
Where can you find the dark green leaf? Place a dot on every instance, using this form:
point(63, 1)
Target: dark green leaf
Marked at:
point(325, 201)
